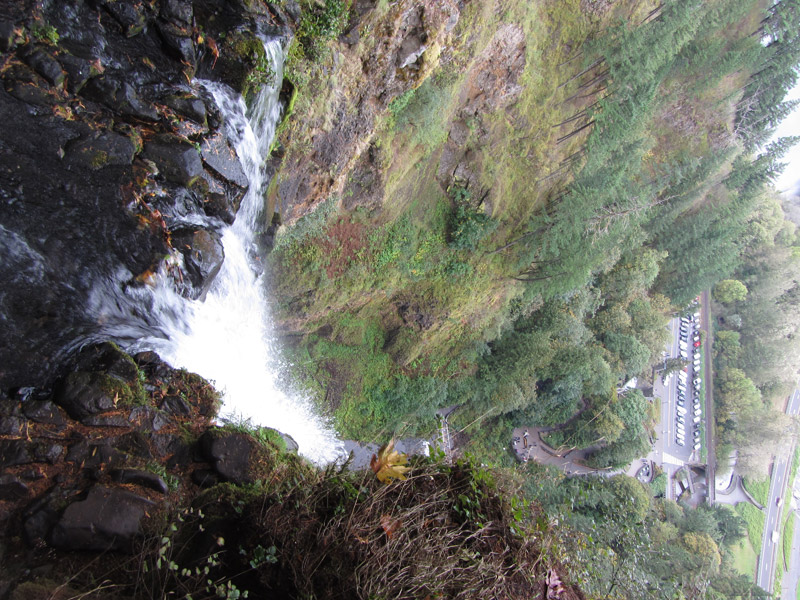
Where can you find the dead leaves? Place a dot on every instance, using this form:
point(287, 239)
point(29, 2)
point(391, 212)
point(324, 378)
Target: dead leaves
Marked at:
point(389, 464)
point(390, 525)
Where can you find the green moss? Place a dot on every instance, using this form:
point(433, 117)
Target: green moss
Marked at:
point(45, 33)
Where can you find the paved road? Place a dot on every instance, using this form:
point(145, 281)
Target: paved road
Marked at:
point(772, 521)
point(792, 576)
point(711, 454)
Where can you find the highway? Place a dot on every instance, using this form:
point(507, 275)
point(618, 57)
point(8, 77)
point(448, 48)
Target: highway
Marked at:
point(772, 521)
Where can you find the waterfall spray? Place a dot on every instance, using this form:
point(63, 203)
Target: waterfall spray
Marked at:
point(227, 337)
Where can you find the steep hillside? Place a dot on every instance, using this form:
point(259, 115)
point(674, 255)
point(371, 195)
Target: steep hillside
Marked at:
point(497, 204)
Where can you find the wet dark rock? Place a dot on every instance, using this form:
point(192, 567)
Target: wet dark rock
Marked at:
point(12, 488)
point(94, 456)
point(178, 41)
point(205, 477)
point(147, 417)
point(110, 359)
point(101, 150)
point(222, 159)
point(108, 519)
point(177, 160)
point(106, 420)
point(230, 454)
point(203, 255)
point(189, 106)
point(83, 394)
point(130, 16)
point(45, 65)
point(41, 515)
point(14, 452)
point(43, 411)
point(12, 425)
point(120, 96)
point(29, 92)
point(21, 452)
point(218, 205)
point(179, 12)
point(167, 444)
point(7, 36)
point(34, 474)
point(134, 443)
point(142, 478)
point(79, 71)
point(175, 405)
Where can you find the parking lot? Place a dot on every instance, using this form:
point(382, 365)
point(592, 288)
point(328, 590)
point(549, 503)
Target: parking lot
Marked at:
point(683, 402)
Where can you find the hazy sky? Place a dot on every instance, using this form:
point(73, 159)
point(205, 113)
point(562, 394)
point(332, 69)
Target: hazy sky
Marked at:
point(790, 179)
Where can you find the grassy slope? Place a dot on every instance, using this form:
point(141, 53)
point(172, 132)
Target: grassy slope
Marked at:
point(354, 342)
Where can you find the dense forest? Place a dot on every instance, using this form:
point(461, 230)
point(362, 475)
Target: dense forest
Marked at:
point(520, 256)
point(540, 273)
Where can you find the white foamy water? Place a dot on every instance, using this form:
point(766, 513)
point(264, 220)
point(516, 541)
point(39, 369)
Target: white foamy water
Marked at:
point(228, 337)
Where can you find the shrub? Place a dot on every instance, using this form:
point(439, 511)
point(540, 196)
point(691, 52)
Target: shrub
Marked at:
point(320, 24)
point(468, 225)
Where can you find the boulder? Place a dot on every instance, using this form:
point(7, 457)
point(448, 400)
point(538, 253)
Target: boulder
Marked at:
point(14, 426)
point(203, 255)
point(83, 394)
point(176, 406)
point(7, 36)
point(43, 411)
point(222, 159)
point(108, 519)
point(142, 478)
point(102, 149)
point(45, 65)
point(95, 456)
point(12, 488)
point(177, 160)
point(120, 96)
point(130, 15)
point(189, 106)
point(230, 454)
point(147, 417)
point(21, 452)
point(79, 71)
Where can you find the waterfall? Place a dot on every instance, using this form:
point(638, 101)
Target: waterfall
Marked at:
point(227, 337)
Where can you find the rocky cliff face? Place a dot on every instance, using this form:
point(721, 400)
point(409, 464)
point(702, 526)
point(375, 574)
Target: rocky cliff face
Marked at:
point(112, 158)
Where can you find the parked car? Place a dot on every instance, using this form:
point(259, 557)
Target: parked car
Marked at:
point(679, 419)
point(696, 419)
point(697, 445)
point(697, 412)
point(681, 411)
point(697, 343)
point(680, 442)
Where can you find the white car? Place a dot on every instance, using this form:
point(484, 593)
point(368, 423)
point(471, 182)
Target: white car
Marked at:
point(697, 445)
point(696, 419)
point(681, 410)
point(697, 412)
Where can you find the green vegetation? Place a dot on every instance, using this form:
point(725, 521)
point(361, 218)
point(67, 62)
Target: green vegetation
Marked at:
point(745, 559)
point(320, 22)
point(755, 522)
point(788, 537)
point(611, 522)
point(45, 33)
point(516, 247)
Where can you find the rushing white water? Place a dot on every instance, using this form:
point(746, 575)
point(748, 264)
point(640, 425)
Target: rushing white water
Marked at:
point(227, 337)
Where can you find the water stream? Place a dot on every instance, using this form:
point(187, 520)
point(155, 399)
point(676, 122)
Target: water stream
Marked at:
point(228, 338)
